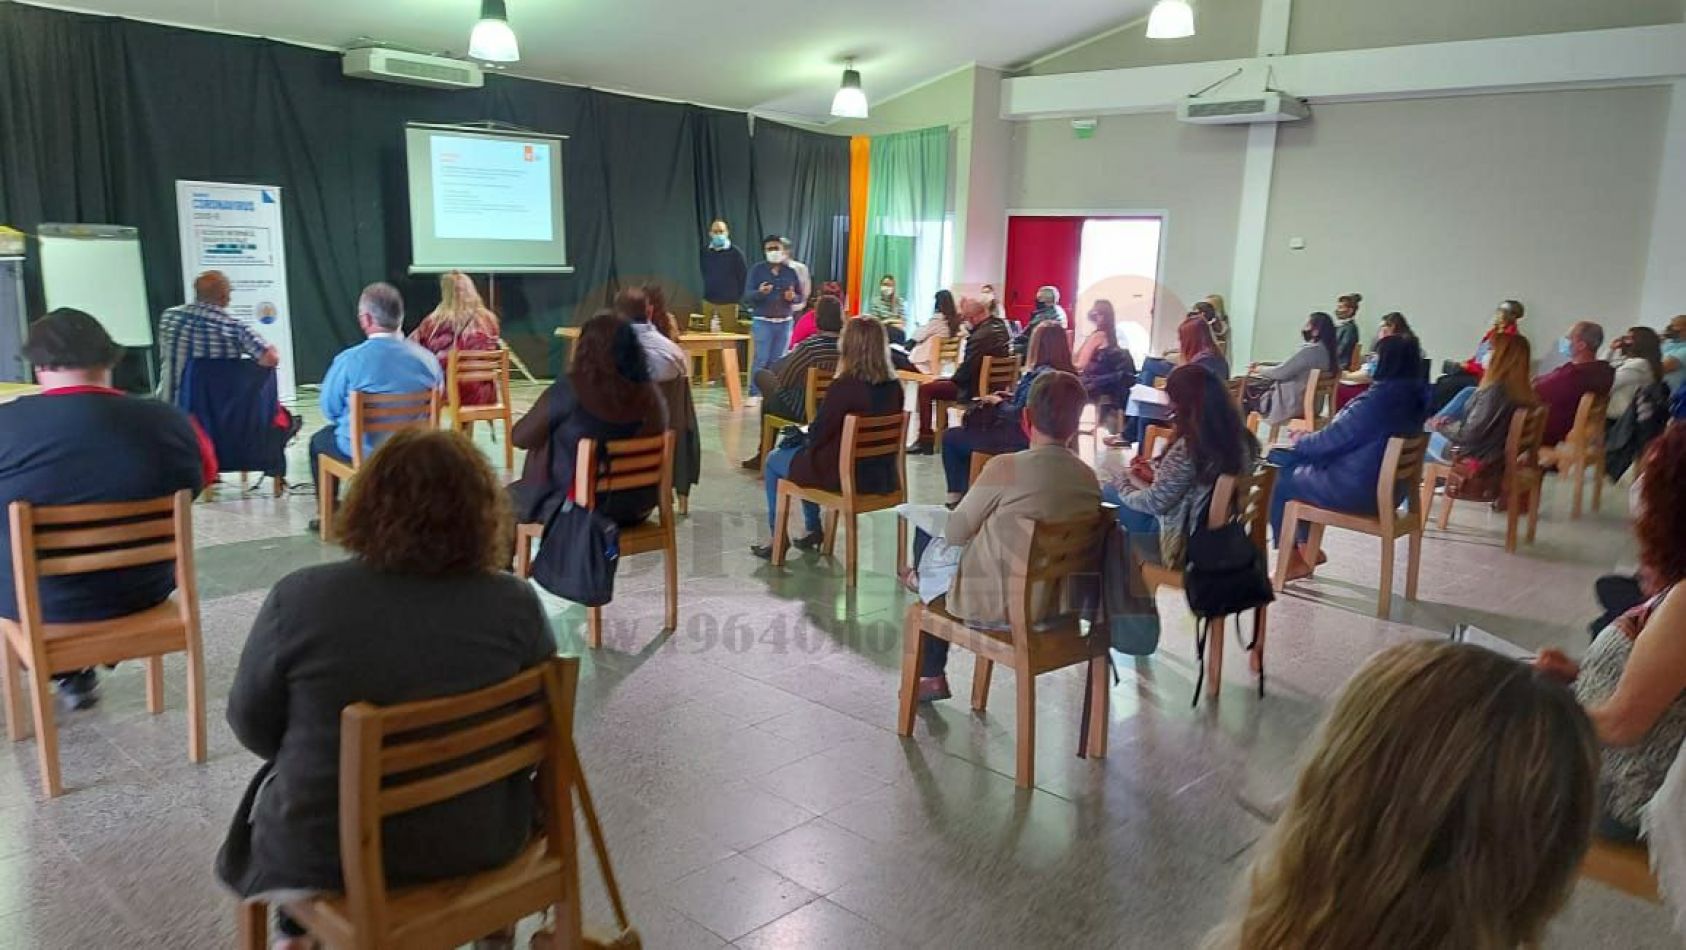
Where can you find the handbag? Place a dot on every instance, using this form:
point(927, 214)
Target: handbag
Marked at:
point(1472, 479)
point(579, 552)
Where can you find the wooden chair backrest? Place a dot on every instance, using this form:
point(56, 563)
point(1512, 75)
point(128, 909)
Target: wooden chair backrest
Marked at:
point(1522, 444)
point(396, 759)
point(1152, 436)
point(381, 414)
point(820, 379)
point(998, 373)
point(1590, 422)
point(61, 540)
point(477, 366)
point(1355, 362)
point(948, 351)
point(645, 462)
point(1320, 397)
point(873, 436)
point(1252, 491)
point(1054, 551)
point(1402, 466)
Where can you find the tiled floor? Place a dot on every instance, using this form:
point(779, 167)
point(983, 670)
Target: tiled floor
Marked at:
point(754, 791)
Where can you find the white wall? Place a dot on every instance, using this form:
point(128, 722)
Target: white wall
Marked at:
point(1439, 208)
point(1665, 271)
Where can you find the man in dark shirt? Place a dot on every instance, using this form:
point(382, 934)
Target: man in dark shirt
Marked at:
point(989, 336)
point(785, 383)
point(1560, 390)
point(723, 274)
point(773, 290)
point(1047, 308)
point(79, 442)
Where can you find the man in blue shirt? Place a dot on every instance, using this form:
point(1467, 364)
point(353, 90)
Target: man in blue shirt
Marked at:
point(774, 291)
point(383, 363)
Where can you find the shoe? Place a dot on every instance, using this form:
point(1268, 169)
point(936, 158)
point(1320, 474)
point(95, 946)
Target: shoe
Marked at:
point(79, 690)
point(933, 688)
point(752, 464)
point(922, 448)
point(810, 542)
point(762, 551)
point(315, 526)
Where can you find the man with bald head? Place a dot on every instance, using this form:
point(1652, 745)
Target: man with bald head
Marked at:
point(204, 330)
point(989, 336)
point(1560, 390)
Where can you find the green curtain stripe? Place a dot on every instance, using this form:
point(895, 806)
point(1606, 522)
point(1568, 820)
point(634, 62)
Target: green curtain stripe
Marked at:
point(907, 199)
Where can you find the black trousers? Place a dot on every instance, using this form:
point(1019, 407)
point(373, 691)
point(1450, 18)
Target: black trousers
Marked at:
point(322, 442)
point(934, 651)
point(1617, 594)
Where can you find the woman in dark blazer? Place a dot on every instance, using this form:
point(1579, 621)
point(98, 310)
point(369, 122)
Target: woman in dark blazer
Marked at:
point(421, 610)
point(865, 384)
point(1337, 467)
point(606, 394)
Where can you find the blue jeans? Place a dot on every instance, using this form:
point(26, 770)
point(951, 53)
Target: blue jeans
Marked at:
point(1440, 447)
point(771, 338)
point(1134, 522)
point(323, 442)
point(777, 467)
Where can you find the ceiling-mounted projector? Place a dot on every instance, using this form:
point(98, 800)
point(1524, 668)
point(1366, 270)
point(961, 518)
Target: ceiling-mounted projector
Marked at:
point(1242, 110)
point(414, 69)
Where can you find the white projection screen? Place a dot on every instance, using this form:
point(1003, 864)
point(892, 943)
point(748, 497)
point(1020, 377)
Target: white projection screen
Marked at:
point(485, 200)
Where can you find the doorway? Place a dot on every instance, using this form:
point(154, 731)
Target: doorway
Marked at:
point(1088, 257)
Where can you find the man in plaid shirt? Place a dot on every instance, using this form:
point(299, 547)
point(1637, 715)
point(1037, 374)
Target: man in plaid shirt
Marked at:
point(204, 329)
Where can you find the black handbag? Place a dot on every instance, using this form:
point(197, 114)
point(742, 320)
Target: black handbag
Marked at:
point(1225, 575)
point(579, 552)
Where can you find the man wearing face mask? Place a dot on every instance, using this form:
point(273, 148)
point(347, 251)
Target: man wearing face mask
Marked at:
point(1560, 390)
point(1047, 308)
point(723, 274)
point(1674, 354)
point(773, 291)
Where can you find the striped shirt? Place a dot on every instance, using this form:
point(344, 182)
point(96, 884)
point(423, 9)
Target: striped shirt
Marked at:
point(818, 350)
point(200, 331)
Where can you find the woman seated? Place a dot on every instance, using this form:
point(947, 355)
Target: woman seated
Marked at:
point(865, 384)
point(807, 324)
point(945, 324)
point(1278, 392)
point(1216, 314)
point(1355, 382)
point(1632, 680)
point(1638, 359)
point(887, 309)
point(1337, 466)
point(1195, 347)
point(1481, 853)
point(1106, 369)
point(1476, 424)
point(460, 322)
point(971, 564)
point(421, 610)
point(605, 394)
point(1456, 377)
point(1167, 498)
point(992, 426)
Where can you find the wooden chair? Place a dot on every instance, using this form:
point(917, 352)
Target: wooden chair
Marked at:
point(948, 353)
point(995, 374)
point(1237, 387)
point(864, 437)
point(396, 759)
point(1625, 867)
point(1521, 481)
point(1319, 407)
point(979, 460)
point(1582, 449)
point(1053, 551)
point(61, 540)
point(481, 366)
point(632, 464)
point(1253, 492)
point(1154, 438)
point(372, 415)
point(1402, 467)
point(818, 384)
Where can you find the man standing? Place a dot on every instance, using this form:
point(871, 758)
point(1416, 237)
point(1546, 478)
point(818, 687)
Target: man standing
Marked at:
point(1047, 308)
point(662, 356)
point(385, 362)
point(204, 330)
point(805, 281)
point(989, 337)
point(786, 382)
point(1560, 390)
point(773, 291)
point(723, 274)
point(80, 442)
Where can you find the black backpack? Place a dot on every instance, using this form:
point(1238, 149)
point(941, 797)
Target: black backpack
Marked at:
point(1225, 575)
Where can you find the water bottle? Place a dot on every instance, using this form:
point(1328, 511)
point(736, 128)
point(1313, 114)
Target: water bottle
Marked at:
point(714, 325)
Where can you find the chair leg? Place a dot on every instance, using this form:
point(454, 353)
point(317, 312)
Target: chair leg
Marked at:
point(781, 526)
point(913, 655)
point(1100, 706)
point(851, 563)
point(1024, 776)
point(830, 544)
point(1445, 512)
point(254, 925)
point(276, 486)
point(1413, 562)
point(1597, 483)
point(1384, 601)
point(326, 486)
point(523, 555)
point(1536, 499)
point(901, 545)
point(11, 692)
point(980, 683)
point(1285, 547)
point(594, 627)
point(1577, 477)
point(155, 684)
point(1214, 658)
point(1514, 499)
point(508, 446)
point(670, 567)
point(1255, 656)
point(46, 733)
point(1314, 545)
point(195, 697)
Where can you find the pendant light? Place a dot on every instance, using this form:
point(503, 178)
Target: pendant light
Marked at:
point(1170, 20)
point(850, 101)
point(493, 40)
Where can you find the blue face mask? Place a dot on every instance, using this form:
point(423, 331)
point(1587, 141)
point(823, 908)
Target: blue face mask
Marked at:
point(718, 241)
point(1563, 348)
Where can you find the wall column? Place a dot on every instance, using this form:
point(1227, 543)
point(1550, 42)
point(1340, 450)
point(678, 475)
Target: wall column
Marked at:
point(1254, 214)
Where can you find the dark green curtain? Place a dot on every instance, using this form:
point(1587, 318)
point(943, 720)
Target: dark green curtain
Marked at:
point(801, 186)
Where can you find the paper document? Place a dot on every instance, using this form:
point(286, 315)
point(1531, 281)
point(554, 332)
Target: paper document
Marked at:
point(1149, 395)
point(931, 519)
point(1475, 636)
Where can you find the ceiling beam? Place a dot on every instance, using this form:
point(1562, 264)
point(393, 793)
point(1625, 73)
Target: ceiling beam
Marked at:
point(1640, 55)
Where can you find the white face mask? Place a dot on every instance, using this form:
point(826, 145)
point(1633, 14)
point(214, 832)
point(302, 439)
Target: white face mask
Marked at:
point(775, 257)
point(886, 291)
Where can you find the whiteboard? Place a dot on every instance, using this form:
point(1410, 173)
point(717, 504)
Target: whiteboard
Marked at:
point(96, 268)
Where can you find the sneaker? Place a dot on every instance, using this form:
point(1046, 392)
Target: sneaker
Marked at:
point(79, 690)
point(933, 688)
point(811, 541)
point(315, 526)
point(751, 464)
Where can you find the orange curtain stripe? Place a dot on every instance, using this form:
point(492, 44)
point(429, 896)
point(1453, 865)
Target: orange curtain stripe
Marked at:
point(860, 174)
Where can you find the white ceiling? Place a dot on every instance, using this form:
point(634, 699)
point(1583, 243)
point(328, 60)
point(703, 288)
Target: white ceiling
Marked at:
point(767, 57)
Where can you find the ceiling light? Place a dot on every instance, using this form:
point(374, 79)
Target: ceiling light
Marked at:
point(850, 101)
point(492, 39)
point(1170, 20)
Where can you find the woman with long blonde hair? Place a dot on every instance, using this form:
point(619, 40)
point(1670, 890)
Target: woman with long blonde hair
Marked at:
point(1448, 802)
point(1476, 424)
point(460, 322)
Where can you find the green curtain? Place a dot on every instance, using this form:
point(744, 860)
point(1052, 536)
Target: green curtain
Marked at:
point(907, 232)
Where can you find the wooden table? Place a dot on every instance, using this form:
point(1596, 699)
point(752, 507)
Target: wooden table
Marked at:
point(11, 391)
point(694, 343)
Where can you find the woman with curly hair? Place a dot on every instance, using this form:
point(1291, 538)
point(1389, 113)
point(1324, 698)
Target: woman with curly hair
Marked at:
point(1448, 802)
point(460, 322)
point(1632, 680)
point(420, 610)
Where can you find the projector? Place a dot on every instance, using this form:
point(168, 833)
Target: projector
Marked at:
point(1264, 107)
point(413, 69)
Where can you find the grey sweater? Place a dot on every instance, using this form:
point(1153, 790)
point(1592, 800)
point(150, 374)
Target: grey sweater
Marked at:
point(1482, 432)
point(1286, 399)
